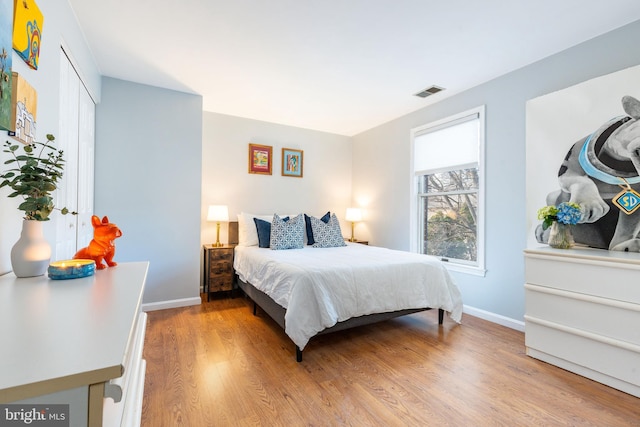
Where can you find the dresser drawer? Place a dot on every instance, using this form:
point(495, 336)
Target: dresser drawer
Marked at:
point(583, 271)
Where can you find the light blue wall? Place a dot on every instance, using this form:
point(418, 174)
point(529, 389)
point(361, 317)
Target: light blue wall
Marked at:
point(148, 174)
point(381, 163)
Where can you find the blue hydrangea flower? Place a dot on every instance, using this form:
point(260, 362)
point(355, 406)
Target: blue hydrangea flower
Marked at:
point(568, 213)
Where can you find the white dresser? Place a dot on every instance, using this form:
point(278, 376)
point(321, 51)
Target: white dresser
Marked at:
point(583, 313)
point(76, 342)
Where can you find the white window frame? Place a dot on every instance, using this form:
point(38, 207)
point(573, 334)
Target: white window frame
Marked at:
point(414, 226)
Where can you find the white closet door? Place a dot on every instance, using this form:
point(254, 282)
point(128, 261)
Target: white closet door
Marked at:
point(76, 138)
point(86, 161)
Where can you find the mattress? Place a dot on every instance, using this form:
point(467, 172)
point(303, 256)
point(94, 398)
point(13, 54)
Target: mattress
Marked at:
point(320, 287)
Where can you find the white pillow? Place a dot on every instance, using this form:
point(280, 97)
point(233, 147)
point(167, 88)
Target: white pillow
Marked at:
point(247, 233)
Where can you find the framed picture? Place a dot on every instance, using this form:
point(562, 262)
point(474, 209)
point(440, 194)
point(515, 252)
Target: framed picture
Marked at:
point(292, 162)
point(260, 159)
point(27, 31)
point(24, 102)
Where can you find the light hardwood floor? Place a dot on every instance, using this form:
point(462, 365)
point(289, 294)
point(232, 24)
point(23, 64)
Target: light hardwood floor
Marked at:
point(218, 365)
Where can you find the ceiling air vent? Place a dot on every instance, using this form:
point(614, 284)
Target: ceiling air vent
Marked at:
point(429, 91)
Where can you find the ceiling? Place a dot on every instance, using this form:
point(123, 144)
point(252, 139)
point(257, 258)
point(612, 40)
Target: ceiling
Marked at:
point(340, 66)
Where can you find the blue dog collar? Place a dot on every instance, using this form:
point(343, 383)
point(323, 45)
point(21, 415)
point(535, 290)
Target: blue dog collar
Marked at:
point(595, 172)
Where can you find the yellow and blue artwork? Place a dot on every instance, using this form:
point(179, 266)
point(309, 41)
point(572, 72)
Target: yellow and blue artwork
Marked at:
point(292, 162)
point(27, 31)
point(6, 30)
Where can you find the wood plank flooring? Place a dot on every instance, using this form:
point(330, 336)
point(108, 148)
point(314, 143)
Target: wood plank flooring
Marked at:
point(218, 365)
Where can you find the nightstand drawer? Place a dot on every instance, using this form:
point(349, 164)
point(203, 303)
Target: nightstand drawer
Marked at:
point(219, 284)
point(220, 267)
point(224, 254)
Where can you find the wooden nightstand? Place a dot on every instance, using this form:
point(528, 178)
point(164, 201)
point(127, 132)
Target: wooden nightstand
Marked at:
point(218, 269)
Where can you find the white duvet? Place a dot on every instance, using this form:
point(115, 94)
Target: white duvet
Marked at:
point(320, 287)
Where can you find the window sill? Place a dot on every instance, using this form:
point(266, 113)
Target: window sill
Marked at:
point(468, 269)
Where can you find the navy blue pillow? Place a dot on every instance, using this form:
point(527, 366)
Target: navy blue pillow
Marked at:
point(325, 218)
point(264, 231)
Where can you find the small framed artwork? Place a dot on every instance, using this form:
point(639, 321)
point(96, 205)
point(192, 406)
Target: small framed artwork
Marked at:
point(260, 159)
point(292, 162)
point(24, 102)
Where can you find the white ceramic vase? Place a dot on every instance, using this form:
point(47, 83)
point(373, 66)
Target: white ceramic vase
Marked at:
point(31, 254)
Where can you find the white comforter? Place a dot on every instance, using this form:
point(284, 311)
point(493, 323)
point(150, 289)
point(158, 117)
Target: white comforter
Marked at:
point(320, 287)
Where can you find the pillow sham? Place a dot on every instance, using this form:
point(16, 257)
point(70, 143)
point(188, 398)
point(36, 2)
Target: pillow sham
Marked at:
point(263, 229)
point(327, 235)
point(307, 221)
point(287, 234)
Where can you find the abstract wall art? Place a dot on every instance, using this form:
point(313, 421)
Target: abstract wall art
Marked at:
point(292, 162)
point(27, 31)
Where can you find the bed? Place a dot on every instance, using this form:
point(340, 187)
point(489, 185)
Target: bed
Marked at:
point(310, 291)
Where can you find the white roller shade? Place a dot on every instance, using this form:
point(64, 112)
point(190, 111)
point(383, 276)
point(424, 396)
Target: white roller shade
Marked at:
point(447, 146)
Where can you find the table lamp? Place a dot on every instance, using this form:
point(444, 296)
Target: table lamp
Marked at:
point(217, 214)
point(354, 215)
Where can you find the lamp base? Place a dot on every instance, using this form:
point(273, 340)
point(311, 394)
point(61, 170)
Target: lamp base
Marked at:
point(217, 244)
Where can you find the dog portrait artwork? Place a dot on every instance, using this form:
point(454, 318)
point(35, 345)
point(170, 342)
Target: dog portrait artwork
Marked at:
point(601, 173)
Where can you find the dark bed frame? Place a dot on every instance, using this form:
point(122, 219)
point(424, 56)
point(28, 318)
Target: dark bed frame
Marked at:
point(277, 312)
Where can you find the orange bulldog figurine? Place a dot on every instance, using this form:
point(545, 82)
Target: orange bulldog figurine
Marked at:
point(102, 246)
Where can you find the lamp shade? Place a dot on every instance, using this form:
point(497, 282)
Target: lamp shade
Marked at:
point(354, 214)
point(218, 213)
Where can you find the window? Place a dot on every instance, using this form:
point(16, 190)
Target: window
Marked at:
point(447, 188)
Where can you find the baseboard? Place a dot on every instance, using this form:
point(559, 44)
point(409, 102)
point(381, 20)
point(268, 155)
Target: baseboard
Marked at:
point(162, 305)
point(495, 318)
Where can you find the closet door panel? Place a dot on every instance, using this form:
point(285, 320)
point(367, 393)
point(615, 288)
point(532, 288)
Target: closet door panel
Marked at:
point(86, 162)
point(76, 137)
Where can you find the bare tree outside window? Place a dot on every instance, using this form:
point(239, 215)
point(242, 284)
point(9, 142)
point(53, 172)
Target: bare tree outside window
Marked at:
point(448, 214)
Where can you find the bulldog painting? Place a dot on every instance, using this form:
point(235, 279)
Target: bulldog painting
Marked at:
point(601, 173)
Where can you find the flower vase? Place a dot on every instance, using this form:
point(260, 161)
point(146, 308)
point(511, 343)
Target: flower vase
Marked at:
point(560, 236)
point(31, 254)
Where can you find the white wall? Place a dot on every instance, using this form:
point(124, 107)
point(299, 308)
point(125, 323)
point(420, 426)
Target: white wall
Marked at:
point(60, 28)
point(325, 185)
point(148, 175)
point(381, 163)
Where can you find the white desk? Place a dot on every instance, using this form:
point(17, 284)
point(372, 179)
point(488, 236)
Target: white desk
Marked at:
point(75, 341)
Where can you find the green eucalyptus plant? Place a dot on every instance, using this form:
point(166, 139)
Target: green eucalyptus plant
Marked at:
point(34, 177)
